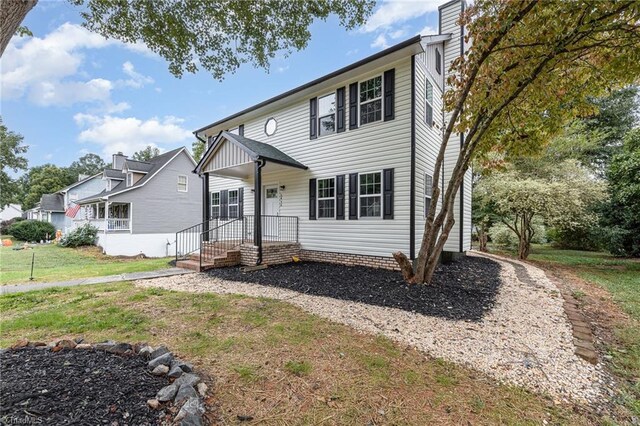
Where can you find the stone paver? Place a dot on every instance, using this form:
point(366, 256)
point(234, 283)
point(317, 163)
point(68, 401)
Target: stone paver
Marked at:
point(18, 288)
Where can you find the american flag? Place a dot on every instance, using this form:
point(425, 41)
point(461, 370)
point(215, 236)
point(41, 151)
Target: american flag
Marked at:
point(72, 210)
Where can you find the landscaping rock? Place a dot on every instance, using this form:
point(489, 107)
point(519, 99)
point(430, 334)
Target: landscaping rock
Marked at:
point(103, 346)
point(66, 344)
point(160, 351)
point(167, 393)
point(191, 420)
point(121, 349)
point(185, 392)
point(36, 344)
point(84, 346)
point(153, 404)
point(187, 379)
point(202, 389)
point(161, 360)
point(160, 370)
point(22, 343)
point(191, 408)
point(175, 372)
point(184, 366)
point(78, 340)
point(145, 352)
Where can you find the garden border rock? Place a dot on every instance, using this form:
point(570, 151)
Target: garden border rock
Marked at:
point(186, 391)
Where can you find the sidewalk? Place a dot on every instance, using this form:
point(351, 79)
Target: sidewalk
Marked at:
point(7, 289)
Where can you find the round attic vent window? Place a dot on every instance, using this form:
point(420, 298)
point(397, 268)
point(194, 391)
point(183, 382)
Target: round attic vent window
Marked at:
point(270, 126)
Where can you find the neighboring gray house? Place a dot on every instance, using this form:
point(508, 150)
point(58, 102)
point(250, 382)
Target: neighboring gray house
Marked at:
point(144, 204)
point(339, 169)
point(10, 211)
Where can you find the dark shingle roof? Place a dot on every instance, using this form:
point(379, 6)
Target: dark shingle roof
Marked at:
point(138, 166)
point(52, 202)
point(256, 150)
point(114, 174)
point(156, 164)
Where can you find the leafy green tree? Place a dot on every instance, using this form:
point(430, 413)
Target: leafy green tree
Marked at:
point(146, 154)
point(11, 158)
point(563, 201)
point(215, 35)
point(45, 179)
point(621, 216)
point(532, 67)
point(197, 149)
point(88, 165)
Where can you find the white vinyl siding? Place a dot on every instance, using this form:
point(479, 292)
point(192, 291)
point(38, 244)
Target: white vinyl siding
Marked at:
point(336, 154)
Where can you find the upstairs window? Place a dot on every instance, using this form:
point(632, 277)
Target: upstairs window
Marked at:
point(370, 193)
point(215, 205)
point(428, 189)
point(428, 105)
point(438, 62)
point(326, 198)
point(233, 204)
point(182, 183)
point(327, 114)
point(371, 100)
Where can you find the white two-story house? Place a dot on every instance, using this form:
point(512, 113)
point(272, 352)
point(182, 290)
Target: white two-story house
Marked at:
point(338, 169)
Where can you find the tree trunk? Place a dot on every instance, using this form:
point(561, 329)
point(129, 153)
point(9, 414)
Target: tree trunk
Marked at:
point(483, 238)
point(524, 243)
point(12, 13)
point(405, 266)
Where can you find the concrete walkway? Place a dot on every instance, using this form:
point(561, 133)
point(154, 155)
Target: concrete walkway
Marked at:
point(7, 289)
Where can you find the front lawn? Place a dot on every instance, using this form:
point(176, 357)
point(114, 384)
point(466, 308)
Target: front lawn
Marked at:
point(53, 263)
point(278, 364)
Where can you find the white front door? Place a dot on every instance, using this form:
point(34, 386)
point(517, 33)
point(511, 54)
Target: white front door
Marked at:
point(270, 222)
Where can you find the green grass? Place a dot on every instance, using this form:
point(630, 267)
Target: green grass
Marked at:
point(53, 263)
point(296, 368)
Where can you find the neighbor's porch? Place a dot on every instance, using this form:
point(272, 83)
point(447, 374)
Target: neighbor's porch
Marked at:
point(106, 216)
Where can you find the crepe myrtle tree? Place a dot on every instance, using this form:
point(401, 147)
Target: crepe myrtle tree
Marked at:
point(215, 35)
point(531, 67)
point(564, 200)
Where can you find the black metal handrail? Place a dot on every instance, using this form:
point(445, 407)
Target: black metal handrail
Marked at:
point(274, 228)
point(188, 241)
point(218, 240)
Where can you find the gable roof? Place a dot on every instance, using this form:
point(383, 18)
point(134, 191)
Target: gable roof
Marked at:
point(138, 166)
point(80, 182)
point(114, 174)
point(157, 163)
point(257, 151)
point(52, 202)
point(407, 43)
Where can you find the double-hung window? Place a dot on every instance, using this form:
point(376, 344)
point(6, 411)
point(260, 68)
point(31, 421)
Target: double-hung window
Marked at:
point(370, 194)
point(233, 204)
point(428, 189)
point(428, 104)
point(327, 114)
point(371, 100)
point(182, 183)
point(327, 198)
point(215, 205)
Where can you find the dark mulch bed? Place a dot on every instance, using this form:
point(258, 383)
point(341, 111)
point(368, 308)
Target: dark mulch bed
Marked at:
point(83, 387)
point(462, 290)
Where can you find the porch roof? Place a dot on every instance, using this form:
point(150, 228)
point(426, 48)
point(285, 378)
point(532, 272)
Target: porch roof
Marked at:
point(252, 150)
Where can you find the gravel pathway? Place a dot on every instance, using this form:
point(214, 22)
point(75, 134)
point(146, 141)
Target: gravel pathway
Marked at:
point(524, 340)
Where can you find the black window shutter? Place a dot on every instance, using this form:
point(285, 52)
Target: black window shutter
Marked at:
point(240, 202)
point(340, 197)
point(387, 191)
point(313, 118)
point(224, 204)
point(312, 199)
point(389, 94)
point(340, 127)
point(353, 106)
point(353, 196)
point(241, 130)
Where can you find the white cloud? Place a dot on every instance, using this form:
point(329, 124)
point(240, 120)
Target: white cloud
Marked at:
point(130, 134)
point(282, 69)
point(380, 42)
point(352, 52)
point(136, 80)
point(393, 12)
point(48, 70)
point(428, 30)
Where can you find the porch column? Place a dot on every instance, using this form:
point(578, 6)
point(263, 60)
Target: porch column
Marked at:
point(257, 209)
point(206, 208)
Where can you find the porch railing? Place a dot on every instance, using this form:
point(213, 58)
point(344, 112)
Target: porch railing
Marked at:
point(118, 224)
point(217, 236)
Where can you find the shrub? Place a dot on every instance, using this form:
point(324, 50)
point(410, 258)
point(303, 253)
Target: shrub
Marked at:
point(32, 230)
point(85, 235)
point(6, 224)
point(501, 235)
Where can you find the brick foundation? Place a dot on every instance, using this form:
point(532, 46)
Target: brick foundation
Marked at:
point(350, 259)
point(272, 254)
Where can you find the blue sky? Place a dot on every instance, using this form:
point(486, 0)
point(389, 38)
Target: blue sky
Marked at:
point(70, 92)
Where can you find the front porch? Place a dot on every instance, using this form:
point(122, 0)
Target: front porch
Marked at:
point(106, 216)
